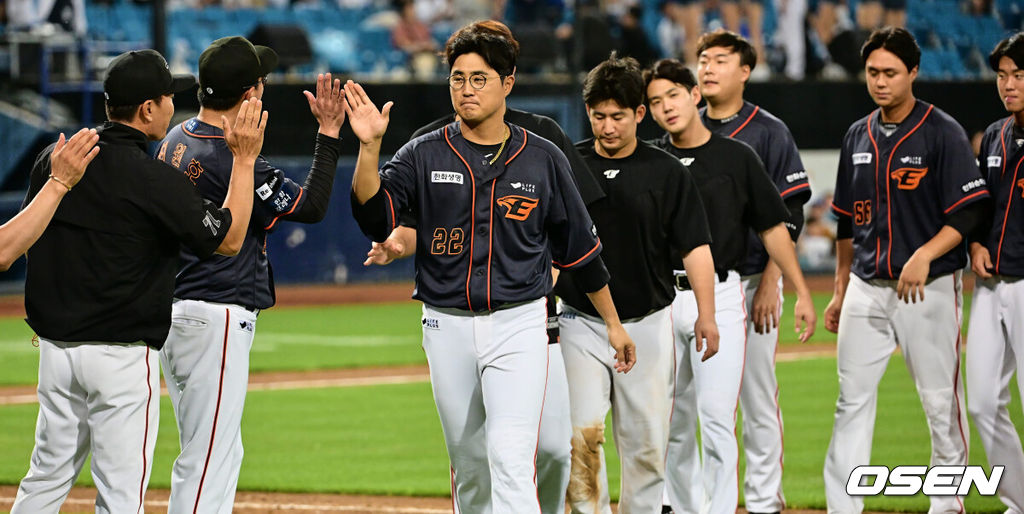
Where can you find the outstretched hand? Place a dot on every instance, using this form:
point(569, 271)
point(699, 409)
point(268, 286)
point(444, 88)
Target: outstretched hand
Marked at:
point(328, 105)
point(70, 158)
point(384, 253)
point(245, 136)
point(368, 124)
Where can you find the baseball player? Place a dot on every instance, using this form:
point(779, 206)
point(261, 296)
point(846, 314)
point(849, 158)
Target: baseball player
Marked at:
point(906, 190)
point(996, 334)
point(100, 316)
point(725, 61)
point(651, 216)
point(738, 196)
point(67, 164)
point(495, 206)
point(553, 451)
point(206, 356)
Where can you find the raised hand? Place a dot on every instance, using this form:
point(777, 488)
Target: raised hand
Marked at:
point(245, 136)
point(368, 124)
point(328, 105)
point(70, 158)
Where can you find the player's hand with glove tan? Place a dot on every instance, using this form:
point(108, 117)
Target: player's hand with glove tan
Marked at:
point(328, 104)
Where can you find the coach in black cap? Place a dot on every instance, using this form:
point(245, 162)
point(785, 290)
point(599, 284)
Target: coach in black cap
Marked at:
point(99, 283)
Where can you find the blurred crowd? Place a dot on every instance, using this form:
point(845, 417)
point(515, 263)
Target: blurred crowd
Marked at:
point(795, 39)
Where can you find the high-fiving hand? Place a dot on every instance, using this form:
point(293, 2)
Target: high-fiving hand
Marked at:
point(328, 105)
point(245, 136)
point(368, 124)
point(70, 158)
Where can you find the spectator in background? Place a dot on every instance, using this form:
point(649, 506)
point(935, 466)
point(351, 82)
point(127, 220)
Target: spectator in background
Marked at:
point(69, 15)
point(733, 14)
point(412, 36)
point(790, 36)
point(685, 18)
point(816, 246)
point(634, 41)
point(874, 14)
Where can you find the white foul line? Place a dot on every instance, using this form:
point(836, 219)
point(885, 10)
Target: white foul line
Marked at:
point(274, 506)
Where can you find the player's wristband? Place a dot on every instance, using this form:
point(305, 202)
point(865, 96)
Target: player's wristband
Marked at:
point(59, 181)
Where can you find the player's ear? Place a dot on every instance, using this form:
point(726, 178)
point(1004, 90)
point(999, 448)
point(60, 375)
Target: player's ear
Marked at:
point(695, 93)
point(913, 73)
point(509, 82)
point(145, 112)
point(640, 112)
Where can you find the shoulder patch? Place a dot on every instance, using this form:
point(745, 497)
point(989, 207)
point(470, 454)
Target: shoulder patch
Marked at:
point(862, 158)
point(994, 161)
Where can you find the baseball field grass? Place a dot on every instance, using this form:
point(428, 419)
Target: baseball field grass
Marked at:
point(386, 439)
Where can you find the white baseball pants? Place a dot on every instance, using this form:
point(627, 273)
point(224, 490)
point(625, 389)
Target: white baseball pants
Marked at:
point(641, 404)
point(708, 391)
point(762, 417)
point(206, 367)
point(103, 397)
point(553, 448)
point(489, 373)
point(995, 349)
point(872, 324)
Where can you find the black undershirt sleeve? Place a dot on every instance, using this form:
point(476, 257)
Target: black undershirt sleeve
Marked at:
point(967, 220)
point(844, 227)
point(319, 182)
point(591, 276)
point(371, 217)
point(795, 223)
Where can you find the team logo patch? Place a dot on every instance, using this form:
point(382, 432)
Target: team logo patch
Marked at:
point(995, 161)
point(913, 160)
point(446, 177)
point(194, 170)
point(908, 178)
point(687, 161)
point(862, 158)
point(431, 323)
point(610, 174)
point(523, 186)
point(1020, 184)
point(518, 207)
point(179, 152)
point(248, 326)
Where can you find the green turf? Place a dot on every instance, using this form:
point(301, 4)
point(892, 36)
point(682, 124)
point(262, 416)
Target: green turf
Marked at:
point(387, 440)
point(328, 337)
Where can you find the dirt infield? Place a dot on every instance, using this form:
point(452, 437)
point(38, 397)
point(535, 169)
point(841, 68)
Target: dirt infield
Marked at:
point(81, 501)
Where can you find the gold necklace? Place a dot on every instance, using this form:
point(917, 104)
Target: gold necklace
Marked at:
point(502, 147)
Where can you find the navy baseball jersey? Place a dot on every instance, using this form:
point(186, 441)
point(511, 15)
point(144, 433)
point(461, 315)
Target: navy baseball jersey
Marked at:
point(1002, 153)
point(651, 215)
point(774, 144)
point(899, 185)
point(736, 192)
point(200, 152)
point(488, 233)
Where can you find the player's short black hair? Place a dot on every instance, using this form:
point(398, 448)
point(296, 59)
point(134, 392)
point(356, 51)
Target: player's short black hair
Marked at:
point(1012, 47)
point(489, 39)
point(731, 40)
point(617, 78)
point(125, 112)
point(217, 104)
point(672, 70)
point(896, 40)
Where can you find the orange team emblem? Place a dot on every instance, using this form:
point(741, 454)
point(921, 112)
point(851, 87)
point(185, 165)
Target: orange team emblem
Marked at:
point(194, 171)
point(519, 207)
point(909, 178)
point(1020, 184)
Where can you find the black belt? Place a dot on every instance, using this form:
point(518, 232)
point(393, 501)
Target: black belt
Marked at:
point(683, 283)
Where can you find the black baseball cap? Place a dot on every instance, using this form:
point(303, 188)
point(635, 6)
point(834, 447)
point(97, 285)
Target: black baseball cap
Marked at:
point(140, 75)
point(230, 65)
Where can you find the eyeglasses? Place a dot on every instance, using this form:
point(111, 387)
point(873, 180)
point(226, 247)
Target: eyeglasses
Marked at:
point(262, 79)
point(477, 80)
